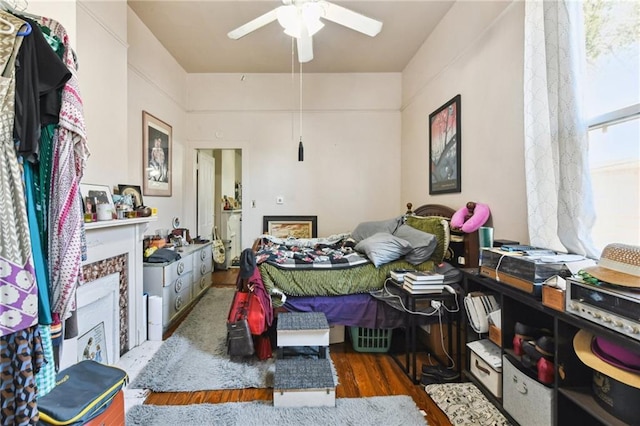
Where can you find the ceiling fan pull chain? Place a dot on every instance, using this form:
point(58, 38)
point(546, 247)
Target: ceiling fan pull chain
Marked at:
point(300, 146)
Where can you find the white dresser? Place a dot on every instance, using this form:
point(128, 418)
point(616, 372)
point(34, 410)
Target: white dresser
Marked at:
point(180, 282)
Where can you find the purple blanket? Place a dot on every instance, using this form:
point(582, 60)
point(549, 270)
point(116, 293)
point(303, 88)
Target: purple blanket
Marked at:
point(354, 310)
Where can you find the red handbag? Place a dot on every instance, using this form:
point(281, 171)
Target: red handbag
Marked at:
point(246, 305)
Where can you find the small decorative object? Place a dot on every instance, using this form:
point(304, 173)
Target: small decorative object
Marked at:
point(444, 148)
point(470, 217)
point(143, 211)
point(93, 195)
point(156, 152)
point(290, 226)
point(134, 192)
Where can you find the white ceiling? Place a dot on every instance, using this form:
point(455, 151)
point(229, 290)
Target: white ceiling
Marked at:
point(195, 33)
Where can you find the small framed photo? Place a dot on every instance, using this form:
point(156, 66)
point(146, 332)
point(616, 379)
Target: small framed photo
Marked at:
point(156, 156)
point(445, 148)
point(134, 191)
point(290, 226)
point(93, 195)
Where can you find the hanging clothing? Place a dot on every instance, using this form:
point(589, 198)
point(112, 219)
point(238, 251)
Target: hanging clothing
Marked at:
point(46, 377)
point(19, 298)
point(67, 244)
point(22, 358)
point(40, 74)
point(44, 308)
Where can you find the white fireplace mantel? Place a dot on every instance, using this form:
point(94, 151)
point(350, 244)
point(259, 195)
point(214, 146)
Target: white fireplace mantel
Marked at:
point(106, 239)
point(114, 237)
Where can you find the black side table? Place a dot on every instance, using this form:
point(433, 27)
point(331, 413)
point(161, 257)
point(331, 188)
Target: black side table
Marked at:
point(450, 311)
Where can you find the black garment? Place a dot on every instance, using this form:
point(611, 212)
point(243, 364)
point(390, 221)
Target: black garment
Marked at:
point(40, 73)
point(162, 255)
point(247, 263)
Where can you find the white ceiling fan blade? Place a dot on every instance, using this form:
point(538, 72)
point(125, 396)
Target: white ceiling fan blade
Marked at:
point(255, 24)
point(305, 47)
point(351, 19)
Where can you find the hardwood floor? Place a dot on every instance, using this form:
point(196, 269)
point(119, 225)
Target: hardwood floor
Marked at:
point(360, 375)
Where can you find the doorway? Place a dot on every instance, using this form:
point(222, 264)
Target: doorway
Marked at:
point(219, 199)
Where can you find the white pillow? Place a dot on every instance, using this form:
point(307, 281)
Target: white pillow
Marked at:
point(383, 248)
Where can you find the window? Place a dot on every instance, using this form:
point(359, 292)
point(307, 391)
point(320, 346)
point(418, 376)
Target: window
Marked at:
point(612, 33)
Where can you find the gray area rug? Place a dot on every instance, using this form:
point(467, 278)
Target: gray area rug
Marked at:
point(195, 357)
point(380, 410)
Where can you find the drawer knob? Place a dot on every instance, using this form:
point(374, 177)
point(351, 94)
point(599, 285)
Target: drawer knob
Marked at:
point(203, 282)
point(178, 303)
point(180, 267)
point(203, 255)
point(178, 285)
point(203, 269)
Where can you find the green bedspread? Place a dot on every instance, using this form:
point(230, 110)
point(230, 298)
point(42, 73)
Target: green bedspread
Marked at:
point(358, 279)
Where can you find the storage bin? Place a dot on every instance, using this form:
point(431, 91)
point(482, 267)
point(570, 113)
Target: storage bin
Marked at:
point(528, 401)
point(370, 339)
point(553, 298)
point(486, 365)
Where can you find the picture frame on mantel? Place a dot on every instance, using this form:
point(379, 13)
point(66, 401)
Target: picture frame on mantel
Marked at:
point(445, 148)
point(156, 156)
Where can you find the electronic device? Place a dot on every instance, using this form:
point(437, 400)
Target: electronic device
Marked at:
point(516, 247)
point(613, 308)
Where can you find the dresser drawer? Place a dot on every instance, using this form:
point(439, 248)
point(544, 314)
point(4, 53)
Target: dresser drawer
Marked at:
point(202, 262)
point(176, 297)
point(179, 268)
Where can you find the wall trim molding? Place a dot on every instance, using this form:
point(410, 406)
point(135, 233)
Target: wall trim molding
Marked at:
point(100, 22)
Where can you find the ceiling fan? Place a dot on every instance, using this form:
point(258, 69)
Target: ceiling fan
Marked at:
point(301, 19)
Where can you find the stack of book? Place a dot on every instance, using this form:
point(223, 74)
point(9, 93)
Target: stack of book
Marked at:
point(398, 274)
point(423, 282)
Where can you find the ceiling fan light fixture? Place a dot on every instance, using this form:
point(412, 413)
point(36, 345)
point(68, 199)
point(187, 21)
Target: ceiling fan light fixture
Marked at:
point(296, 19)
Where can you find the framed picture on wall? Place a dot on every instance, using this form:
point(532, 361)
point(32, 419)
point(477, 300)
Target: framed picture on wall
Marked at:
point(290, 226)
point(444, 148)
point(156, 156)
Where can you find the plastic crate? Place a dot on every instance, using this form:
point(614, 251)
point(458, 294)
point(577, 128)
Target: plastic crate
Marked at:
point(370, 339)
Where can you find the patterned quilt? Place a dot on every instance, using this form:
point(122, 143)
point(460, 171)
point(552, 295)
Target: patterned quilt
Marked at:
point(334, 252)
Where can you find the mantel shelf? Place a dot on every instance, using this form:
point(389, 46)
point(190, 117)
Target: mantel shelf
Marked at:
point(119, 222)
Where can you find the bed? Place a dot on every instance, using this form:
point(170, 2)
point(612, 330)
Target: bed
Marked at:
point(329, 275)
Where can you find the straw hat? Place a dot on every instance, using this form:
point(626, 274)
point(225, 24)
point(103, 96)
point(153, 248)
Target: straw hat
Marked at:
point(619, 264)
point(608, 358)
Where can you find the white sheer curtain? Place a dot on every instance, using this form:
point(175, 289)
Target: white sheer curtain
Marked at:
point(559, 199)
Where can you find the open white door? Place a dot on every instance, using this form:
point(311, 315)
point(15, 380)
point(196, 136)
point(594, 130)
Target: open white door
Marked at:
point(206, 185)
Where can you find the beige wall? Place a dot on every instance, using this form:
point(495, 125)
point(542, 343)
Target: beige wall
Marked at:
point(351, 137)
point(477, 52)
point(157, 84)
point(365, 135)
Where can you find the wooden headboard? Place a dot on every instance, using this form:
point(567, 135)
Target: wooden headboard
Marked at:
point(464, 249)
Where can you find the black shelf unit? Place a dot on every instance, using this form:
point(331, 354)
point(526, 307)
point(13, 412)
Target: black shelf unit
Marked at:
point(573, 399)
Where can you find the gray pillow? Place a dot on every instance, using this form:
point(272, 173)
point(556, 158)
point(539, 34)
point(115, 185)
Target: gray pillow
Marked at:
point(423, 244)
point(383, 248)
point(367, 229)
